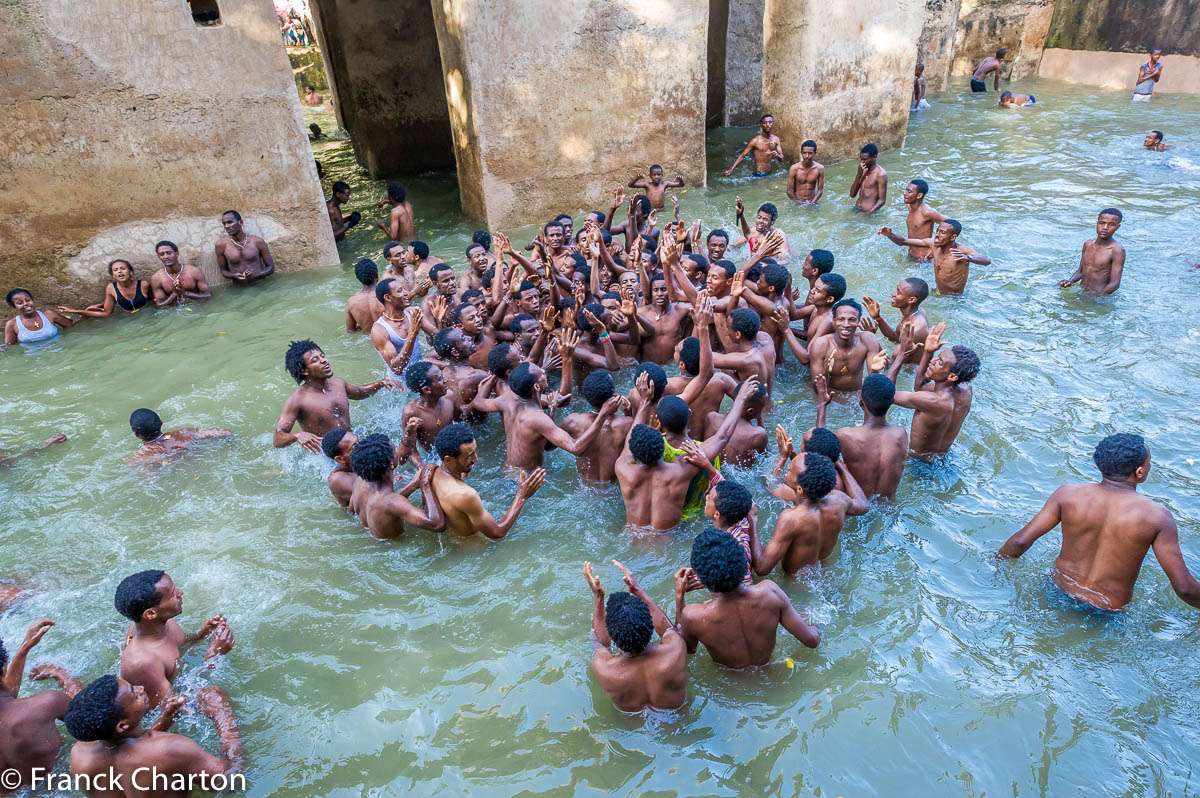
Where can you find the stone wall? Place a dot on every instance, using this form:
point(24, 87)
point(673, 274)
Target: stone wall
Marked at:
point(985, 25)
point(126, 115)
point(840, 73)
point(743, 63)
point(382, 61)
point(1130, 26)
point(718, 33)
point(936, 47)
point(548, 116)
point(1180, 75)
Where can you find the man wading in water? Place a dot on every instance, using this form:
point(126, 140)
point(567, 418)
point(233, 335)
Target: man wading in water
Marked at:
point(175, 283)
point(241, 257)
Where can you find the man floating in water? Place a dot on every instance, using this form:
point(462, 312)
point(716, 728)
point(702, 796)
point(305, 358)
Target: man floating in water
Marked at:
point(1010, 100)
point(1154, 141)
point(1107, 529)
point(765, 146)
point(157, 446)
point(241, 257)
point(870, 181)
point(988, 66)
point(1103, 259)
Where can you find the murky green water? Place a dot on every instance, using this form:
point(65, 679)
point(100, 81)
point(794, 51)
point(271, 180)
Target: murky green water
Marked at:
point(436, 666)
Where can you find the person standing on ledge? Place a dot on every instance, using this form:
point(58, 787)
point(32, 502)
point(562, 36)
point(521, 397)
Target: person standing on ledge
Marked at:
point(870, 182)
point(765, 146)
point(176, 283)
point(989, 65)
point(340, 224)
point(806, 178)
point(1107, 528)
point(1148, 75)
point(656, 187)
point(1102, 260)
point(399, 225)
point(919, 103)
point(242, 257)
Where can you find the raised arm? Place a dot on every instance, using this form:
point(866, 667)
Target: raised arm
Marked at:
point(1047, 518)
point(873, 311)
point(488, 526)
point(714, 445)
point(599, 624)
point(702, 317)
point(902, 241)
point(559, 437)
point(659, 618)
point(15, 671)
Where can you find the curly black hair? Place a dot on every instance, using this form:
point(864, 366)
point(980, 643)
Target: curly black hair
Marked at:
point(1119, 455)
point(450, 440)
point(673, 413)
point(145, 424)
point(658, 378)
point(597, 310)
point(847, 303)
point(499, 360)
point(732, 501)
point(137, 593)
point(598, 388)
point(293, 360)
point(646, 444)
point(514, 326)
point(366, 271)
point(522, 380)
point(331, 442)
point(818, 478)
point(745, 321)
point(689, 353)
point(966, 363)
point(835, 285)
point(372, 456)
point(823, 441)
point(441, 342)
point(383, 288)
point(93, 714)
point(878, 393)
point(822, 261)
point(416, 376)
point(777, 276)
point(718, 560)
point(628, 621)
point(3, 656)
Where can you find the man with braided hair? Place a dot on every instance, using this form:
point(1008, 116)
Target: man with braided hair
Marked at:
point(643, 674)
point(738, 624)
point(382, 509)
point(1107, 529)
point(114, 748)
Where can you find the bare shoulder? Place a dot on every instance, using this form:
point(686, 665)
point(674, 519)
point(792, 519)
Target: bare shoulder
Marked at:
point(576, 421)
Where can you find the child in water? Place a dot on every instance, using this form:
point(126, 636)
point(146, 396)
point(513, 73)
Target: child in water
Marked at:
point(1010, 100)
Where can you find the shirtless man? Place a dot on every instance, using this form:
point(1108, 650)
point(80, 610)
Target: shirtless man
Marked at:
point(715, 244)
point(340, 224)
point(382, 509)
point(919, 103)
point(8, 461)
point(1154, 141)
point(870, 181)
point(806, 178)
point(154, 641)
point(765, 146)
point(739, 623)
point(989, 65)
point(337, 445)
point(697, 384)
point(433, 410)
point(176, 283)
point(770, 300)
point(749, 439)
point(875, 451)
point(1102, 260)
point(941, 395)
point(640, 220)
point(643, 675)
point(399, 225)
point(827, 290)
point(1107, 529)
point(157, 446)
point(921, 217)
point(399, 268)
point(907, 298)
point(750, 352)
point(442, 301)
point(421, 261)
point(462, 379)
point(843, 353)
point(311, 97)
point(667, 318)
point(363, 308)
point(951, 260)
point(477, 263)
point(29, 740)
point(113, 748)
point(656, 187)
point(465, 514)
point(806, 533)
point(322, 401)
point(241, 257)
point(597, 463)
point(816, 263)
point(1010, 100)
point(765, 239)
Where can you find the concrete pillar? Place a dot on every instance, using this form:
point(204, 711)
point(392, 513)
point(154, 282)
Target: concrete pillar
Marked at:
point(383, 66)
point(553, 106)
point(1020, 26)
point(718, 33)
point(128, 120)
point(936, 47)
point(839, 73)
point(743, 62)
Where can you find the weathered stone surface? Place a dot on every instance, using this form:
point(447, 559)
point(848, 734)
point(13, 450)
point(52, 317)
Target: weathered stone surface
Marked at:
point(743, 62)
point(124, 111)
point(936, 46)
point(840, 73)
point(1180, 75)
point(1129, 26)
point(553, 107)
point(718, 33)
point(986, 25)
point(386, 77)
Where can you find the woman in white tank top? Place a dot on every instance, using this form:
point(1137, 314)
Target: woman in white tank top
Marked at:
point(31, 325)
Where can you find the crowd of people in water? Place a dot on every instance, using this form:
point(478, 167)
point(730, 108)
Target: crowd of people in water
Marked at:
point(525, 330)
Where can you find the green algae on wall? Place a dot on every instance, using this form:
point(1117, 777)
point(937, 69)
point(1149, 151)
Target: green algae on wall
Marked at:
point(1130, 26)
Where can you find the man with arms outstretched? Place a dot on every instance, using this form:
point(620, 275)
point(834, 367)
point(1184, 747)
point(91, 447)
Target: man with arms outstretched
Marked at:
point(765, 146)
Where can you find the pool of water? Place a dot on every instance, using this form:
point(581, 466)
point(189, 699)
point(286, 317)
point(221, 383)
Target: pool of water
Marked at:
point(438, 666)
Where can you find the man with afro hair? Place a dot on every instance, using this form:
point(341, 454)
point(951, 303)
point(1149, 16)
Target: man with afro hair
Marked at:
point(464, 510)
point(738, 624)
point(322, 402)
point(941, 395)
point(597, 462)
point(114, 748)
point(875, 451)
point(1107, 529)
point(154, 641)
point(807, 532)
point(643, 675)
point(432, 409)
point(382, 509)
point(29, 740)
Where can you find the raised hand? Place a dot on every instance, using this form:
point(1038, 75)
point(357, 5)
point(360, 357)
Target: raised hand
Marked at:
point(568, 319)
point(781, 317)
point(959, 255)
point(580, 295)
point(422, 287)
point(641, 387)
point(530, 482)
point(611, 405)
point(821, 385)
point(439, 307)
point(827, 367)
point(628, 301)
point(741, 209)
point(549, 316)
point(593, 581)
point(702, 311)
point(784, 442)
point(503, 243)
point(933, 342)
point(868, 324)
point(694, 233)
point(885, 231)
point(618, 198)
point(211, 624)
point(597, 326)
point(692, 455)
point(872, 307)
point(878, 362)
point(628, 578)
point(568, 340)
point(749, 388)
point(221, 641)
point(36, 632)
point(738, 287)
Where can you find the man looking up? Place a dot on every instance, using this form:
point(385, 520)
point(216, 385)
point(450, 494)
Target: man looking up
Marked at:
point(870, 181)
point(921, 218)
point(1107, 529)
point(765, 239)
point(241, 257)
point(176, 283)
point(322, 401)
point(951, 260)
point(155, 642)
point(842, 354)
point(1103, 260)
point(29, 740)
point(643, 675)
point(382, 509)
point(988, 66)
point(465, 514)
point(765, 146)
point(739, 623)
point(655, 187)
point(806, 178)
